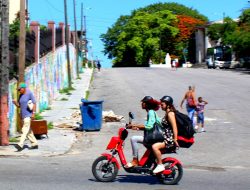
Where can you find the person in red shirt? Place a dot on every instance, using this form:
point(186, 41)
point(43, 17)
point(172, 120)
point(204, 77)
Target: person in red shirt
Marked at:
point(190, 99)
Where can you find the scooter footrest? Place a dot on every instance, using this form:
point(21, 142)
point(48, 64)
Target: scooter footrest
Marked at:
point(140, 169)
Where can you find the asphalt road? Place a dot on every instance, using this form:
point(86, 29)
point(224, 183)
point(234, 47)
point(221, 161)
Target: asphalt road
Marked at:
point(218, 160)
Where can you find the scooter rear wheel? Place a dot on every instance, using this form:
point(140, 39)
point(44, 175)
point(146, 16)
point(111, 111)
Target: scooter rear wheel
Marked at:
point(175, 176)
point(104, 170)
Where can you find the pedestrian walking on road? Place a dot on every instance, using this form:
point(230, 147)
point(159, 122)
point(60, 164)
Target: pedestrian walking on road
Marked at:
point(27, 105)
point(99, 65)
point(150, 62)
point(150, 105)
point(200, 113)
point(174, 65)
point(189, 97)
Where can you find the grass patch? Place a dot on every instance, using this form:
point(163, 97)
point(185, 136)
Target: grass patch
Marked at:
point(64, 99)
point(13, 139)
point(68, 93)
point(74, 108)
point(48, 108)
point(50, 125)
point(78, 78)
point(92, 78)
point(66, 90)
point(38, 116)
point(87, 95)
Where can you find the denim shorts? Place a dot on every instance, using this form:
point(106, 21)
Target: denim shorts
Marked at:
point(200, 118)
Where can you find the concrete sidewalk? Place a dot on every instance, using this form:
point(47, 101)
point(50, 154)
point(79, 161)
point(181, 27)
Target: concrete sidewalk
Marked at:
point(59, 141)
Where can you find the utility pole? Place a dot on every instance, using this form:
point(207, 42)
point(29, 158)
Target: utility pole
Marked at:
point(27, 12)
point(22, 39)
point(85, 39)
point(76, 41)
point(4, 71)
point(81, 27)
point(67, 43)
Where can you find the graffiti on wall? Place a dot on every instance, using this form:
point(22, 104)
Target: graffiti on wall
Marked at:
point(44, 79)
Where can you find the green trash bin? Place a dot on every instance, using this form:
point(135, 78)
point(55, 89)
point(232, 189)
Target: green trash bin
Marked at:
point(91, 112)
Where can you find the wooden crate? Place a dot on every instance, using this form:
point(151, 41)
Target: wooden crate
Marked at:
point(39, 127)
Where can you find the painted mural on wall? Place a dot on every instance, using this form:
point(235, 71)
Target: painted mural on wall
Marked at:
point(44, 79)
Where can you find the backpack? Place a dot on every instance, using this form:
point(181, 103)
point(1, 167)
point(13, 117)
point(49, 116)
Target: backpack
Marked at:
point(185, 130)
point(190, 102)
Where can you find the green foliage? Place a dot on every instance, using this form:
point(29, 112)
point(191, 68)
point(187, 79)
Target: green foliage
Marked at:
point(245, 17)
point(90, 64)
point(13, 139)
point(176, 9)
point(38, 116)
point(50, 125)
point(64, 99)
point(223, 31)
point(48, 108)
point(66, 91)
point(234, 34)
point(87, 95)
point(214, 31)
point(14, 29)
point(148, 33)
point(134, 43)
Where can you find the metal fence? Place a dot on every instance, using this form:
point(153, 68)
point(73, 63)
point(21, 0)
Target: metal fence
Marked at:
point(45, 41)
point(58, 40)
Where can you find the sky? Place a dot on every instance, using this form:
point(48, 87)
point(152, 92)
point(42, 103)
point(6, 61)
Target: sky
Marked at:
point(102, 14)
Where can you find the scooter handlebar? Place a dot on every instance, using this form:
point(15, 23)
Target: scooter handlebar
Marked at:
point(127, 126)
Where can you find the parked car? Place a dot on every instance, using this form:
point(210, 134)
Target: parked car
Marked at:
point(222, 64)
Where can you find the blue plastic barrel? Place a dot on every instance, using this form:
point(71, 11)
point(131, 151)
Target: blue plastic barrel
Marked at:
point(91, 115)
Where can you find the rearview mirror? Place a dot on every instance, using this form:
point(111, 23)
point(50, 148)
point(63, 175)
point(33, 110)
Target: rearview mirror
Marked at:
point(131, 116)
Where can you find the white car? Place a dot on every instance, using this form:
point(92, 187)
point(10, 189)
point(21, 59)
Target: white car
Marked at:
point(222, 64)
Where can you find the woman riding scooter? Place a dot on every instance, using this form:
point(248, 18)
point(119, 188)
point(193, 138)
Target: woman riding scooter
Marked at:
point(105, 167)
point(170, 132)
point(150, 105)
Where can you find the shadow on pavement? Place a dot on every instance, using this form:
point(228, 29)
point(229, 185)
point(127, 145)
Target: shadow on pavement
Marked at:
point(138, 179)
point(242, 71)
point(134, 179)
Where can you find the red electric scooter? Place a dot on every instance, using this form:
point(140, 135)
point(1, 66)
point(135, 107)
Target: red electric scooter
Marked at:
point(105, 168)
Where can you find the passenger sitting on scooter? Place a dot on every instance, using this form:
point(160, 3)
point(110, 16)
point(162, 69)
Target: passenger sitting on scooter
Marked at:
point(150, 105)
point(170, 132)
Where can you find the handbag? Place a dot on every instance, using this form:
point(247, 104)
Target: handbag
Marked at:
point(153, 135)
point(30, 105)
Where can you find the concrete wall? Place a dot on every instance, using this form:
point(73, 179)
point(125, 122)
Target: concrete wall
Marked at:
point(45, 79)
point(200, 45)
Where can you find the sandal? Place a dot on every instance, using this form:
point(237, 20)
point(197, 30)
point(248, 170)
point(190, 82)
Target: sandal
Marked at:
point(132, 164)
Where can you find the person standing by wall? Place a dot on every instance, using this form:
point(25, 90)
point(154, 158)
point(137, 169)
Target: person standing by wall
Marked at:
point(25, 102)
point(189, 97)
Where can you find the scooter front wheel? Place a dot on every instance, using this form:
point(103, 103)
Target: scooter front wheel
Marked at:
point(104, 170)
point(175, 176)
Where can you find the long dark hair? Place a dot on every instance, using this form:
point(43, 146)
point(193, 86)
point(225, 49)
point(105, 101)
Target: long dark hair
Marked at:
point(152, 104)
point(170, 106)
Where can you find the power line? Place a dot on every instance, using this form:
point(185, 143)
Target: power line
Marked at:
point(52, 6)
